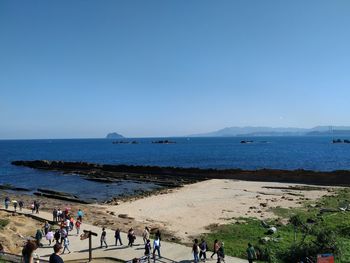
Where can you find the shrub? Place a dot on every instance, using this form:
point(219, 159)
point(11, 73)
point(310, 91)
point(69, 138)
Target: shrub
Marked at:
point(4, 222)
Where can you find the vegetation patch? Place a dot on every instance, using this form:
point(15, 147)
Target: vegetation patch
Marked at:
point(283, 212)
point(3, 223)
point(320, 227)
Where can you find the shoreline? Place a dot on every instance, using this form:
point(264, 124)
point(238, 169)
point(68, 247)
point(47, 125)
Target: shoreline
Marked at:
point(188, 212)
point(172, 177)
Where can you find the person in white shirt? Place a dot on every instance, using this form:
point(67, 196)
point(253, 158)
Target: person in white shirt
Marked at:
point(156, 247)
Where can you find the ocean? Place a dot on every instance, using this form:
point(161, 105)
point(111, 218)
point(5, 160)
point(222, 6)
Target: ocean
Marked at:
point(312, 153)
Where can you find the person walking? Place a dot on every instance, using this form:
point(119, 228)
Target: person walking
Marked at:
point(15, 203)
point(66, 245)
point(251, 254)
point(71, 223)
point(46, 227)
point(7, 202)
point(54, 215)
point(20, 204)
point(59, 214)
point(67, 224)
point(158, 235)
point(221, 253)
point(203, 250)
point(63, 234)
point(77, 226)
point(215, 248)
point(36, 207)
point(66, 212)
point(148, 250)
point(117, 237)
point(145, 235)
point(195, 251)
point(55, 258)
point(156, 247)
point(57, 236)
point(38, 237)
point(131, 237)
point(49, 236)
point(80, 215)
point(103, 238)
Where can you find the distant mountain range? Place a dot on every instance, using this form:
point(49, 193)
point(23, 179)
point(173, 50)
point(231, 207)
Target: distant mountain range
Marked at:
point(269, 131)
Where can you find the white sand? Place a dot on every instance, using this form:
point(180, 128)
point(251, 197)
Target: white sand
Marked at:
point(189, 210)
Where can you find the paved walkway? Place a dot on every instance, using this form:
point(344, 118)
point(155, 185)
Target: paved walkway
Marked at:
point(170, 252)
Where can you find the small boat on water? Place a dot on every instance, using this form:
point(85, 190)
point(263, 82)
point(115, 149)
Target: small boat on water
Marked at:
point(163, 142)
point(125, 142)
point(340, 141)
point(244, 141)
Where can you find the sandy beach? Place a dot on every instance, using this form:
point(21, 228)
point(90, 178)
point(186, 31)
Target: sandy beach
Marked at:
point(188, 211)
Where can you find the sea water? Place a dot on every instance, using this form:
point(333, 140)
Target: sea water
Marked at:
point(312, 153)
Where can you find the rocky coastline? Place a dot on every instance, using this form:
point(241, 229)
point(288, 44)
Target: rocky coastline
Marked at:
point(169, 177)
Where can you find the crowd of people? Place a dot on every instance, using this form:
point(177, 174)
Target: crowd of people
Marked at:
point(20, 204)
point(67, 222)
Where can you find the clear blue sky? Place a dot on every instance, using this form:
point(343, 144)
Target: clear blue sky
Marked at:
point(73, 69)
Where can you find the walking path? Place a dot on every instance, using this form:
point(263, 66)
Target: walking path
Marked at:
point(170, 252)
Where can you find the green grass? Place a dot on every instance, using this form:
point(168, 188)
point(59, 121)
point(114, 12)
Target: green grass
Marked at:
point(283, 212)
point(3, 223)
point(237, 235)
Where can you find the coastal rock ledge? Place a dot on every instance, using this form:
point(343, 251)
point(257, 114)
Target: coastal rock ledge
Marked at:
point(174, 176)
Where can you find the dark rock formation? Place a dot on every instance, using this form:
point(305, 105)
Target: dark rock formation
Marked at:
point(173, 176)
point(13, 188)
point(59, 195)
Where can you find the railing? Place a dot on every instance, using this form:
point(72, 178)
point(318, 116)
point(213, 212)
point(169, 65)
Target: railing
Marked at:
point(13, 258)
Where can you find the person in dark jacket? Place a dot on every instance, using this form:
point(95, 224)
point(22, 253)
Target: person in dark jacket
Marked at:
point(131, 237)
point(38, 237)
point(103, 238)
point(221, 253)
point(20, 204)
point(117, 237)
point(195, 251)
point(148, 250)
point(55, 258)
point(203, 250)
point(36, 207)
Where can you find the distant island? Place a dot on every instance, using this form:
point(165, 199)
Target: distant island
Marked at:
point(270, 131)
point(114, 135)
